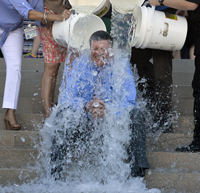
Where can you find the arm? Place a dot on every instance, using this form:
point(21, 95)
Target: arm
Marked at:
point(69, 89)
point(27, 11)
point(39, 16)
point(127, 95)
point(177, 4)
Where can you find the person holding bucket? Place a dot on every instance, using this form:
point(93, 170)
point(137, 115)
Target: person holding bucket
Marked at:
point(158, 81)
point(53, 54)
point(193, 7)
point(12, 13)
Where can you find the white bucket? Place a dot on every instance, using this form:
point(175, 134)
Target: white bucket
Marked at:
point(97, 7)
point(126, 6)
point(158, 30)
point(76, 31)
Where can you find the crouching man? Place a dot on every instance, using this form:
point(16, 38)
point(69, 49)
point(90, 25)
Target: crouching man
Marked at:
point(95, 86)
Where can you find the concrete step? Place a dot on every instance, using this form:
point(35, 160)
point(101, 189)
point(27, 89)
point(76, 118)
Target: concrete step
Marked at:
point(167, 142)
point(179, 65)
point(184, 124)
point(166, 182)
point(29, 77)
point(173, 182)
point(36, 64)
point(31, 139)
point(16, 176)
point(27, 106)
point(27, 121)
point(179, 78)
point(181, 92)
point(31, 90)
point(19, 139)
point(183, 65)
point(19, 152)
point(18, 158)
point(174, 162)
point(183, 107)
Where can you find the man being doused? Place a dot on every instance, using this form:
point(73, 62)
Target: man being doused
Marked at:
point(97, 95)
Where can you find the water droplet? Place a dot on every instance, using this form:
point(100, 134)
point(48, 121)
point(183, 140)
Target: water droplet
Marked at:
point(22, 139)
point(94, 73)
point(96, 104)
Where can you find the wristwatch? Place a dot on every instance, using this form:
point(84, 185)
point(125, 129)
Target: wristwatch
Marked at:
point(161, 2)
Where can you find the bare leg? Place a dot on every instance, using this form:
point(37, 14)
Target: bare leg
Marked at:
point(191, 52)
point(36, 45)
point(10, 116)
point(48, 86)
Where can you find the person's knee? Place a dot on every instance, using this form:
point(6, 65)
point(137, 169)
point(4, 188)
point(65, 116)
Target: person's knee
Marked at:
point(51, 69)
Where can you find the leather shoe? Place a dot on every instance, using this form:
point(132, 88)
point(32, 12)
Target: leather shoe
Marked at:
point(193, 147)
point(138, 173)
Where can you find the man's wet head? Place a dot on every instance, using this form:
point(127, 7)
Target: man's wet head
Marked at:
point(101, 47)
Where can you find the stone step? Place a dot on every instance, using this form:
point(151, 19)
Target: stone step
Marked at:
point(23, 155)
point(173, 182)
point(182, 124)
point(167, 142)
point(18, 158)
point(174, 162)
point(27, 121)
point(179, 78)
point(166, 182)
point(30, 90)
point(183, 65)
point(179, 65)
point(180, 92)
point(36, 64)
point(28, 77)
point(16, 176)
point(31, 139)
point(19, 139)
point(183, 107)
point(27, 105)
point(34, 91)
point(169, 161)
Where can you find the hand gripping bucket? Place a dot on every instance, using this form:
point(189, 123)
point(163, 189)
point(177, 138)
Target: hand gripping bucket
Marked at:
point(125, 6)
point(77, 30)
point(97, 7)
point(158, 30)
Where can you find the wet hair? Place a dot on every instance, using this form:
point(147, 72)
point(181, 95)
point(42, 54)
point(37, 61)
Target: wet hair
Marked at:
point(101, 35)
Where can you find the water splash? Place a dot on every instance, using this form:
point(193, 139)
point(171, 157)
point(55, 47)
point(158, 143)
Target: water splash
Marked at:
point(100, 163)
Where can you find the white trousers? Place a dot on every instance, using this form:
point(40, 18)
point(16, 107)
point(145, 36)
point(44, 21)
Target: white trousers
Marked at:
point(12, 52)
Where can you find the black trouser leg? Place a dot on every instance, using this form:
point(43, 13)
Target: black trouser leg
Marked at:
point(137, 148)
point(163, 84)
point(196, 92)
point(58, 153)
point(140, 58)
point(75, 131)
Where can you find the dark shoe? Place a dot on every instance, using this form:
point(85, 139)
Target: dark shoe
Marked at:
point(193, 147)
point(139, 173)
point(162, 127)
point(169, 129)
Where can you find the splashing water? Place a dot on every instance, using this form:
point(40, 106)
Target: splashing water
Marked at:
point(95, 156)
